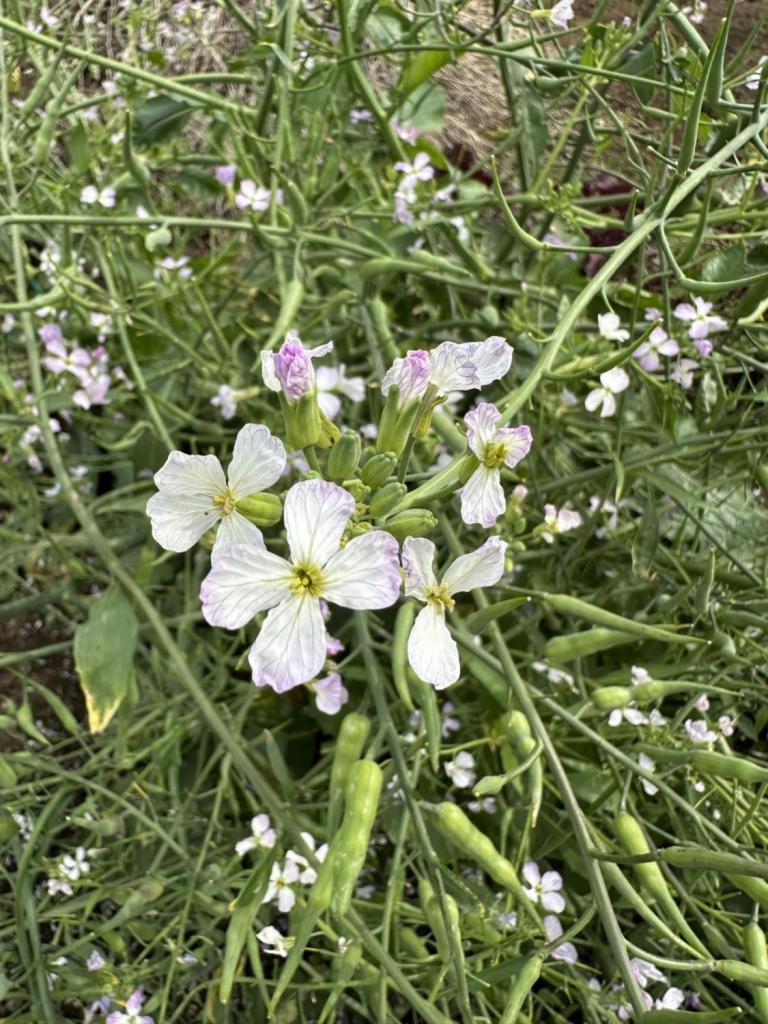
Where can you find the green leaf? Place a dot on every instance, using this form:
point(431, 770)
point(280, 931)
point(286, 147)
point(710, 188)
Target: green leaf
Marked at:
point(424, 108)
point(79, 147)
point(104, 649)
point(421, 66)
point(642, 64)
point(159, 119)
point(725, 266)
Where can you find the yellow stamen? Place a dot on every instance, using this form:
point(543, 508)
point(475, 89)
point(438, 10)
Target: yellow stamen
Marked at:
point(440, 599)
point(494, 455)
point(307, 581)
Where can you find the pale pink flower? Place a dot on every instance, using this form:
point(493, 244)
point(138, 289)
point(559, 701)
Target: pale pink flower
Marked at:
point(609, 326)
point(558, 521)
point(699, 732)
point(263, 836)
point(650, 766)
point(461, 770)
point(683, 372)
point(106, 197)
point(658, 344)
point(419, 170)
point(330, 694)
point(290, 369)
point(133, 1014)
point(700, 318)
point(725, 724)
point(225, 400)
point(252, 196)
point(225, 174)
point(753, 80)
point(332, 381)
point(482, 497)
point(566, 951)
point(562, 13)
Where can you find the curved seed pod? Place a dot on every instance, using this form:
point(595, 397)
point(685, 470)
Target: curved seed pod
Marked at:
point(755, 947)
point(362, 801)
point(353, 733)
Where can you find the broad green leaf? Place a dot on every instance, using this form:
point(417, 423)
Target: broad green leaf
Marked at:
point(424, 108)
point(421, 66)
point(725, 266)
point(642, 64)
point(159, 119)
point(104, 649)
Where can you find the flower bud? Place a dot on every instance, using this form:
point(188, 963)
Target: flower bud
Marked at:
point(413, 522)
point(303, 425)
point(344, 456)
point(396, 421)
point(609, 697)
point(385, 499)
point(261, 508)
point(378, 469)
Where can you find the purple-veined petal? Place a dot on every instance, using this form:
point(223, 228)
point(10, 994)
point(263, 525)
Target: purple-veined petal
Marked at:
point(492, 358)
point(316, 514)
point(191, 474)
point(481, 427)
point(517, 443)
point(258, 460)
point(243, 581)
point(235, 529)
point(482, 497)
point(452, 369)
point(432, 651)
point(179, 521)
point(410, 374)
point(684, 311)
point(365, 573)
point(268, 371)
point(481, 568)
point(418, 560)
point(290, 649)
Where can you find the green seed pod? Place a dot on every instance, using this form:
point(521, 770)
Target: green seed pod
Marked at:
point(8, 827)
point(414, 522)
point(570, 646)
point(344, 456)
point(521, 984)
point(755, 888)
point(386, 498)
point(243, 910)
point(353, 733)
point(412, 944)
point(735, 970)
point(725, 645)
point(688, 1016)
point(697, 858)
point(606, 698)
point(378, 469)
point(728, 766)
point(406, 613)
point(437, 923)
point(261, 508)
point(755, 947)
point(362, 801)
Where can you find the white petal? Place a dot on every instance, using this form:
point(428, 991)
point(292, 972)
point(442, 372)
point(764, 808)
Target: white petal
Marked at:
point(609, 404)
point(258, 460)
point(191, 474)
point(482, 497)
point(517, 441)
point(481, 427)
point(615, 380)
point(432, 651)
point(290, 649)
point(268, 370)
point(492, 358)
point(243, 581)
point(235, 529)
point(365, 573)
point(594, 399)
point(481, 568)
point(451, 368)
point(179, 521)
point(316, 514)
point(532, 875)
point(328, 402)
point(320, 350)
point(418, 559)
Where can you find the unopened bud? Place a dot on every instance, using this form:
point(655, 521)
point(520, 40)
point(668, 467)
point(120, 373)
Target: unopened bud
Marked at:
point(413, 522)
point(261, 508)
point(386, 498)
point(344, 456)
point(396, 423)
point(378, 469)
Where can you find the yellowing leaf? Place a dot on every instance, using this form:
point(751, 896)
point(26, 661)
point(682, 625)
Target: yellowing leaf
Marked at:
point(104, 649)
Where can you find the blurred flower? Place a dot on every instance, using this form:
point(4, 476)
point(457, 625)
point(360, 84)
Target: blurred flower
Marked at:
point(333, 381)
point(699, 732)
point(701, 321)
point(173, 265)
point(330, 694)
point(683, 372)
point(753, 80)
point(95, 961)
point(308, 875)
point(658, 344)
point(609, 326)
point(612, 383)
point(106, 197)
point(725, 724)
point(702, 702)
point(562, 13)
point(553, 930)
point(225, 174)
point(263, 836)
point(639, 675)
point(461, 770)
point(133, 1014)
point(358, 116)
point(650, 766)
point(558, 521)
point(645, 972)
point(633, 716)
point(419, 170)
point(544, 888)
point(226, 400)
point(281, 879)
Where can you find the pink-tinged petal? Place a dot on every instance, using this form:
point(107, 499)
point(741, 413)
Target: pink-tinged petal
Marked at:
point(316, 514)
point(553, 901)
point(365, 573)
point(481, 568)
point(331, 694)
point(531, 873)
point(551, 881)
point(699, 329)
point(452, 368)
point(135, 1000)
point(243, 581)
point(481, 427)
point(552, 927)
point(482, 497)
point(418, 561)
point(517, 442)
point(409, 374)
point(669, 347)
point(258, 460)
point(191, 475)
point(117, 1017)
point(268, 371)
point(290, 649)
point(179, 521)
point(492, 358)
point(684, 311)
point(235, 529)
point(432, 651)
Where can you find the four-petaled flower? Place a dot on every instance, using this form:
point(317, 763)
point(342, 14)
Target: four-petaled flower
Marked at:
point(612, 383)
point(557, 521)
point(254, 197)
point(262, 836)
point(432, 651)
point(281, 880)
point(330, 694)
point(562, 13)
point(449, 367)
point(247, 579)
point(609, 326)
point(132, 1014)
point(106, 197)
point(544, 888)
point(658, 344)
point(275, 942)
point(290, 369)
point(482, 497)
point(699, 732)
point(413, 173)
point(700, 318)
point(461, 770)
point(193, 494)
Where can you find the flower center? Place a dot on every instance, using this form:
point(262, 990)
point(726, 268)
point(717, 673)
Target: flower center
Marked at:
point(440, 599)
point(494, 454)
point(225, 502)
point(307, 581)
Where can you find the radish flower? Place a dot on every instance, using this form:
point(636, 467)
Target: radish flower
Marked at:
point(194, 494)
point(544, 889)
point(247, 579)
point(700, 318)
point(612, 383)
point(432, 651)
point(609, 326)
point(290, 369)
point(658, 344)
point(482, 497)
point(133, 1014)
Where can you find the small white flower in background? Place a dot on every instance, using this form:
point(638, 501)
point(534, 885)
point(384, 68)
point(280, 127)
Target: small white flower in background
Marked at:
point(47, 18)
point(633, 716)
point(332, 381)
point(225, 174)
point(174, 265)
point(462, 230)
point(360, 115)
point(330, 694)
point(645, 972)
point(225, 400)
point(701, 321)
point(193, 494)
point(699, 785)
point(58, 887)
point(605, 505)
point(639, 675)
point(95, 961)
point(132, 1014)
point(263, 836)
point(683, 372)
point(461, 770)
point(567, 399)
point(753, 80)
point(275, 942)
point(106, 197)
point(544, 888)
point(254, 197)
point(553, 930)
point(725, 724)
point(405, 132)
point(554, 675)
point(656, 718)
point(432, 651)
point(562, 13)
point(508, 920)
point(74, 867)
point(612, 383)
point(482, 497)
point(404, 215)
point(308, 875)
point(658, 344)
point(699, 732)
point(101, 323)
point(419, 170)
point(487, 805)
point(448, 723)
point(702, 702)
point(672, 999)
point(7, 323)
point(609, 326)
point(650, 766)
point(24, 823)
point(186, 958)
point(281, 879)
point(558, 521)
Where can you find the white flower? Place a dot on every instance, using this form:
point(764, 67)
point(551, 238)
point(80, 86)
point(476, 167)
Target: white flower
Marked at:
point(559, 521)
point(194, 495)
point(566, 951)
point(683, 372)
point(672, 999)
point(656, 718)
point(645, 972)
point(413, 173)
point(562, 13)
point(274, 941)
point(702, 322)
point(544, 888)
point(650, 766)
point(702, 703)
point(106, 197)
point(226, 400)
point(612, 383)
point(629, 714)
point(639, 675)
point(279, 889)
point(247, 579)
point(252, 197)
point(482, 497)
point(95, 961)
point(56, 886)
point(330, 694)
point(753, 80)
point(307, 875)
point(449, 367)
point(609, 326)
point(133, 1014)
point(461, 770)
point(332, 381)
point(486, 805)
point(263, 836)
point(658, 344)
point(725, 723)
point(73, 867)
point(699, 732)
point(555, 675)
point(432, 651)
